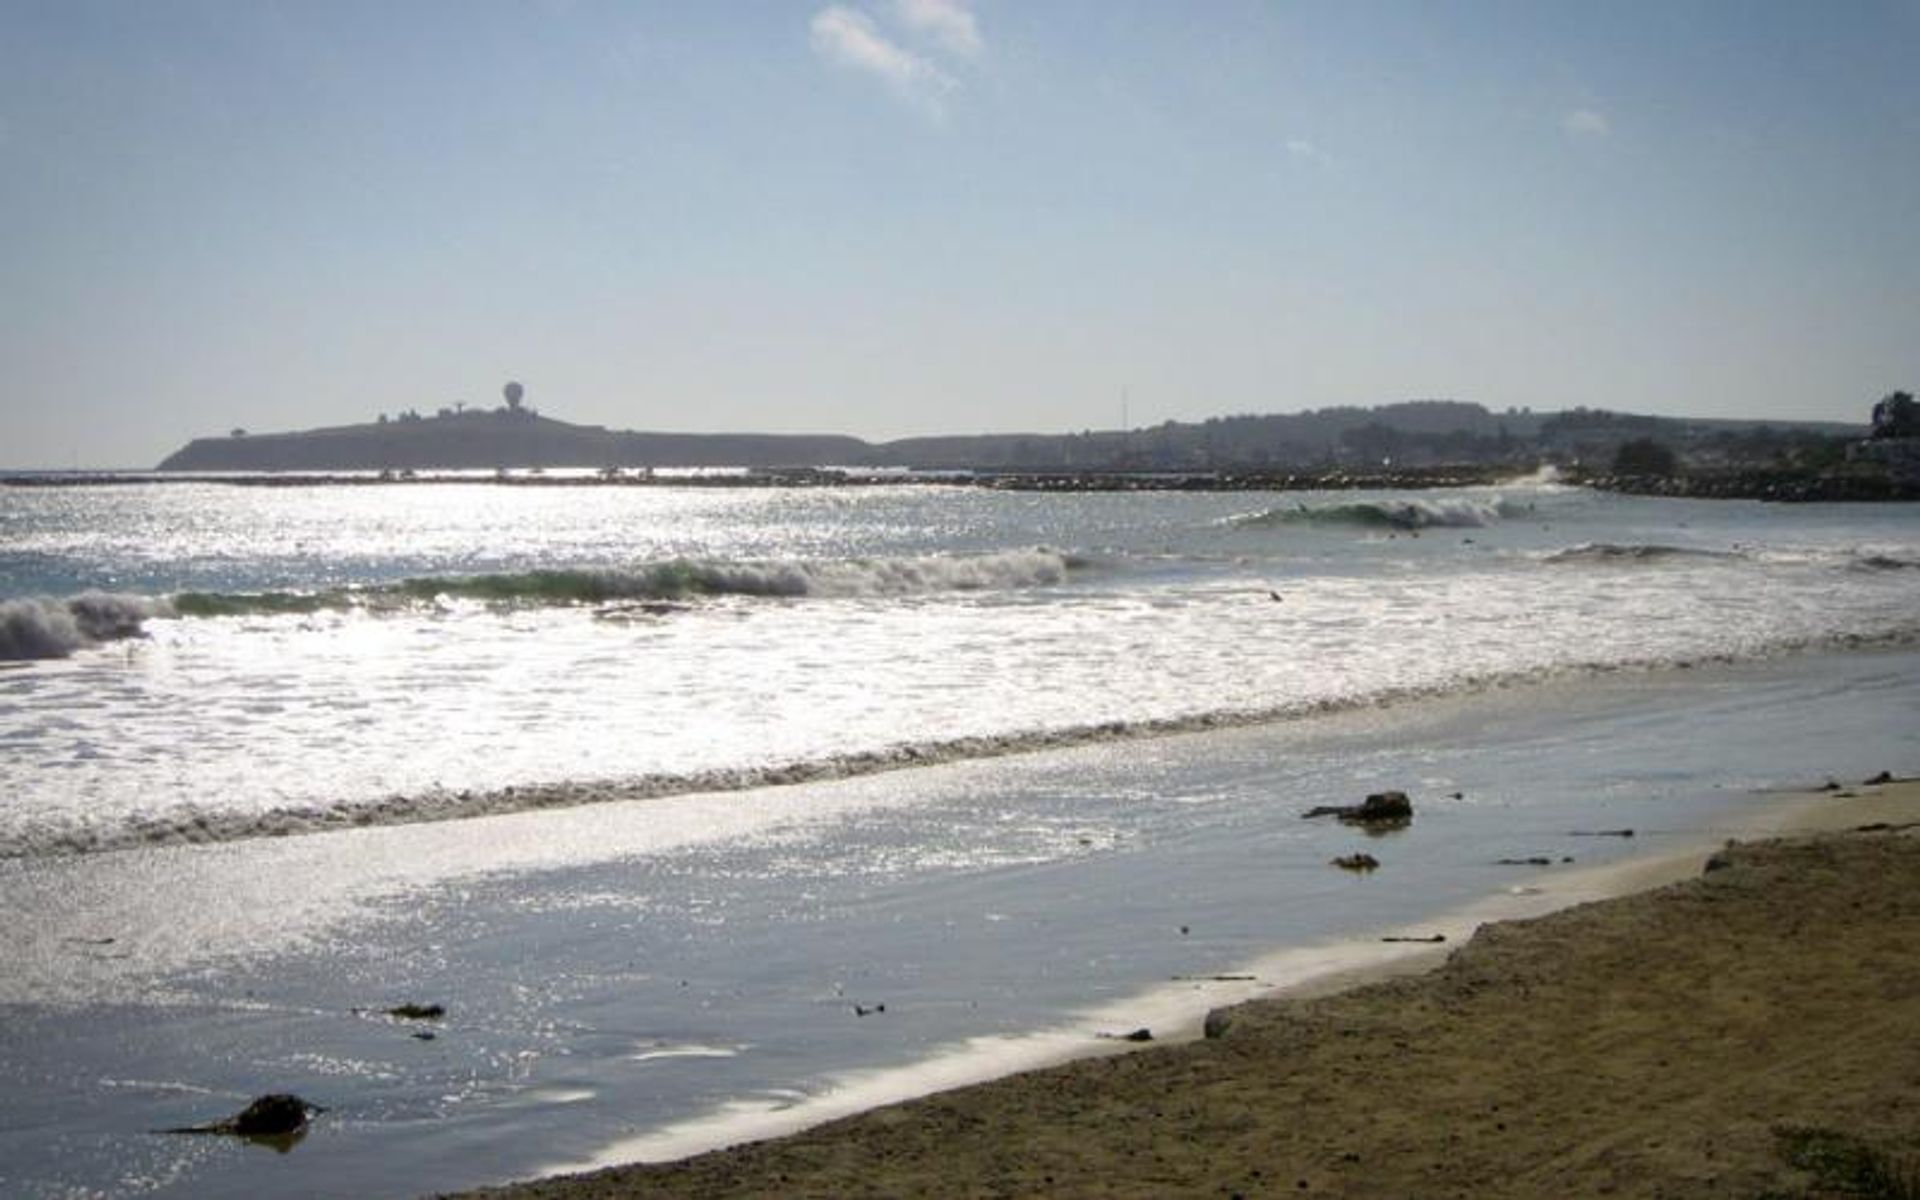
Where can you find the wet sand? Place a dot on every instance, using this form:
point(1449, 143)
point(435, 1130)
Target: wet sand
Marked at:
point(1651, 1044)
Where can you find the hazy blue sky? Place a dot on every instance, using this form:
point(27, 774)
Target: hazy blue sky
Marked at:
point(887, 217)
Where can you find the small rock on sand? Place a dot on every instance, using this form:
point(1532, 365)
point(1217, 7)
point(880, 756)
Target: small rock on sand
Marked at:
point(280, 1114)
point(1142, 1034)
point(1380, 808)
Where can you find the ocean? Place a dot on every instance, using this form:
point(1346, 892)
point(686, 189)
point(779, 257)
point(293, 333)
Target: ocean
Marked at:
point(708, 810)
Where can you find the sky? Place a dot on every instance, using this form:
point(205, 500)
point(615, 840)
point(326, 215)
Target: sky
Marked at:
point(899, 217)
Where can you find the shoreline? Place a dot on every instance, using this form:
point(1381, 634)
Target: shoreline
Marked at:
point(839, 1124)
point(1176, 1011)
point(1335, 479)
point(182, 976)
point(438, 804)
point(1772, 485)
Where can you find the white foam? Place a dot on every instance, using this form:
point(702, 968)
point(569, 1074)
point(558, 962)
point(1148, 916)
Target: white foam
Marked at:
point(42, 627)
point(881, 576)
point(945, 635)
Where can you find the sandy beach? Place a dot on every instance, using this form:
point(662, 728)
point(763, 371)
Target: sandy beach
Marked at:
point(1737, 1031)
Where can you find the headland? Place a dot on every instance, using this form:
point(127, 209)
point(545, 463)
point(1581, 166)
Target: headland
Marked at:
point(497, 438)
point(1423, 443)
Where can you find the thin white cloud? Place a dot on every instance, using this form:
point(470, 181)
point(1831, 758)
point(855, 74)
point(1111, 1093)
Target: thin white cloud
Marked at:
point(1302, 148)
point(849, 38)
point(1586, 122)
point(949, 22)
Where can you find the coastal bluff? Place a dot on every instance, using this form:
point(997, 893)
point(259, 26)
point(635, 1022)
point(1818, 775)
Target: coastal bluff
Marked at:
point(499, 438)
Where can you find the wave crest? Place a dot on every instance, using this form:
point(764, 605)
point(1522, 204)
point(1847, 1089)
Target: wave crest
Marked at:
point(1633, 552)
point(1402, 515)
point(677, 579)
point(42, 627)
point(1884, 562)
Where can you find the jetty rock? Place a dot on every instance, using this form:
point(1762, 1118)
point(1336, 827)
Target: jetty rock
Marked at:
point(279, 1115)
point(1380, 808)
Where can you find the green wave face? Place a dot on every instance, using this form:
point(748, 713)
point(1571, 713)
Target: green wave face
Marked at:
point(1367, 516)
point(529, 588)
point(241, 604)
point(673, 580)
point(540, 587)
point(1400, 515)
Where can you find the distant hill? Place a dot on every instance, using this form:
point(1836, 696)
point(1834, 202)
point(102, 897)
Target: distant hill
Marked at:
point(500, 438)
point(1410, 434)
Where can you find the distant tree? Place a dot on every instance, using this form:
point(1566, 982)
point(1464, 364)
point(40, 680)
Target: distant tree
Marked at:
point(1581, 418)
point(1372, 440)
point(1644, 456)
point(1896, 416)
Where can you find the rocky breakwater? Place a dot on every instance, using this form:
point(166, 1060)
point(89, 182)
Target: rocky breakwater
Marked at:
point(1786, 486)
point(1331, 480)
point(1381, 810)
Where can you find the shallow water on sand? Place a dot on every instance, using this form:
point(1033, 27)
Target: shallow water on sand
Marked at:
point(683, 970)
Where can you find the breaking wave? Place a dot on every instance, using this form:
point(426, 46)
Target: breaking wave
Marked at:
point(1401, 515)
point(42, 628)
point(196, 825)
point(1636, 552)
point(677, 579)
point(45, 628)
point(1884, 562)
